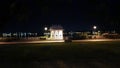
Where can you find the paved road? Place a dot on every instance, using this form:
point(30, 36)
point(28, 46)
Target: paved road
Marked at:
point(53, 41)
point(31, 42)
point(93, 40)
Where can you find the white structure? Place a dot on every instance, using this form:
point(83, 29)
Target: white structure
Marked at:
point(56, 33)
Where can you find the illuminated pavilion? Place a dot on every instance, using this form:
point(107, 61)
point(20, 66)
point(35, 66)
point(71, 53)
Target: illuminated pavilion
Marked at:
point(56, 32)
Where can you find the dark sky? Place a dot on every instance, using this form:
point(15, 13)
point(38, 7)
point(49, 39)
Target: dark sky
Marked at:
point(73, 15)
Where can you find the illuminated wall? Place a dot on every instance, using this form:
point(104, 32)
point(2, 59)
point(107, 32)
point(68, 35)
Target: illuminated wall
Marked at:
point(56, 34)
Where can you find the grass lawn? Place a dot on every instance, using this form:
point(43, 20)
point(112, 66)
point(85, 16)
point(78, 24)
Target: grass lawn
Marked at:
point(67, 55)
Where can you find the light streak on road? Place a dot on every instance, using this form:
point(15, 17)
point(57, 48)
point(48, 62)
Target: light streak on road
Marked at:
point(95, 40)
point(49, 41)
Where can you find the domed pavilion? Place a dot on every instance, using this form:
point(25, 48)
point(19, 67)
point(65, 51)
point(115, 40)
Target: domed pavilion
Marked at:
point(56, 32)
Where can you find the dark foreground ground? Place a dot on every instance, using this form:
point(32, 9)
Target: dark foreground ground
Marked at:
point(61, 55)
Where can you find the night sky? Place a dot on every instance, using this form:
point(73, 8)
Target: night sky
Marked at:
point(81, 15)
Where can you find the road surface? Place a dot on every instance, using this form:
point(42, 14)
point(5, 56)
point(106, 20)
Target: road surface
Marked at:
point(53, 41)
point(19, 42)
point(94, 40)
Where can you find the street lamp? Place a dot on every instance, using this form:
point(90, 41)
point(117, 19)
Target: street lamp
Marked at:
point(45, 33)
point(45, 28)
point(94, 27)
point(94, 30)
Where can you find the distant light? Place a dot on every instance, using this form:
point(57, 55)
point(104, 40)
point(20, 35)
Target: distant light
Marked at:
point(99, 31)
point(94, 27)
point(45, 28)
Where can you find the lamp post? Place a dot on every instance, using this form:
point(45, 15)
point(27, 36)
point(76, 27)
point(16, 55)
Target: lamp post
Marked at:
point(94, 27)
point(45, 29)
point(94, 31)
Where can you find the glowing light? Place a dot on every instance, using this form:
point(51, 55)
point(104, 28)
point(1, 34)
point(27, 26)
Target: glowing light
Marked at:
point(94, 27)
point(45, 28)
